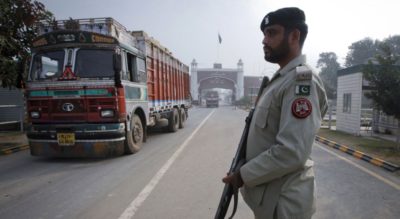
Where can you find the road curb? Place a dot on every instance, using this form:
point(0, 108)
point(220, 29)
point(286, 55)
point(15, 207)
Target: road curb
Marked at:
point(358, 154)
point(12, 150)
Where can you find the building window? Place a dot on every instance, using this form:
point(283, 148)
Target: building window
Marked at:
point(347, 103)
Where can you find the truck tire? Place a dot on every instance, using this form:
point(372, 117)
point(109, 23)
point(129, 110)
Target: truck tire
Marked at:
point(134, 137)
point(173, 121)
point(182, 118)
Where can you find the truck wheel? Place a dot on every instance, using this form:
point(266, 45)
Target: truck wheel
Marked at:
point(134, 137)
point(173, 121)
point(182, 118)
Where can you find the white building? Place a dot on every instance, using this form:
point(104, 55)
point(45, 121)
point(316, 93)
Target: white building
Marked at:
point(354, 109)
point(351, 100)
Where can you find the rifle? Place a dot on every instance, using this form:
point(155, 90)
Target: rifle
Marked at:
point(237, 162)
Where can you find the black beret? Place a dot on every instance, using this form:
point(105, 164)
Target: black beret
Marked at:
point(287, 17)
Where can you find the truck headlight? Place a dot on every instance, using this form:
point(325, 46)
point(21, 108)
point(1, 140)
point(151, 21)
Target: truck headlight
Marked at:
point(35, 115)
point(107, 113)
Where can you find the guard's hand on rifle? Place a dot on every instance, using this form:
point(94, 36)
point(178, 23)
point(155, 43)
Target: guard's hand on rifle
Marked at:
point(235, 179)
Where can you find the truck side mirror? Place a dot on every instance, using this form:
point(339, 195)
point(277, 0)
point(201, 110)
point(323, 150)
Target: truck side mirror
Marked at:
point(117, 63)
point(117, 69)
point(19, 83)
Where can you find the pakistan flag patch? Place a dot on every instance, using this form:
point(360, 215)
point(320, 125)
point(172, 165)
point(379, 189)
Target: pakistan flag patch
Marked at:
point(303, 90)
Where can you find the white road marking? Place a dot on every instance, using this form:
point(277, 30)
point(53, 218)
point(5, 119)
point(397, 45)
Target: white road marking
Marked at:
point(131, 210)
point(379, 177)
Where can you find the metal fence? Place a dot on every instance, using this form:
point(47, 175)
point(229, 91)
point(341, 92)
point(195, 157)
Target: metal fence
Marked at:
point(12, 114)
point(366, 117)
point(384, 123)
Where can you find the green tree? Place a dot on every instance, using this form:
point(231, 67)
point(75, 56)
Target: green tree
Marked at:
point(385, 81)
point(17, 19)
point(393, 42)
point(329, 66)
point(245, 101)
point(361, 51)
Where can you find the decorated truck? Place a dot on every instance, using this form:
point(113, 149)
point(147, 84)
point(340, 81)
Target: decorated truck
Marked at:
point(95, 88)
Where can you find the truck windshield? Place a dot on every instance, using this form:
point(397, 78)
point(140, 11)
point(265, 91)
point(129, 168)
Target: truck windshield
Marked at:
point(91, 63)
point(47, 64)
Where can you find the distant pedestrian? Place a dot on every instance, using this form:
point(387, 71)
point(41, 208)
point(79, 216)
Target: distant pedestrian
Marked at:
point(277, 179)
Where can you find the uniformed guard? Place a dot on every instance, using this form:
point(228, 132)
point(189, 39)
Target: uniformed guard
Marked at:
point(277, 179)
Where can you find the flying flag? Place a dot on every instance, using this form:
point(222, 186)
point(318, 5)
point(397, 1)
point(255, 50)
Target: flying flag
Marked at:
point(219, 38)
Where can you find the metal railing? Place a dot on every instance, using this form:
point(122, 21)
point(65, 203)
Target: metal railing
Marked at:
point(20, 117)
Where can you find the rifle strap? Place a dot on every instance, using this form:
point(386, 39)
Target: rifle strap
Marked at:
point(235, 201)
point(236, 189)
point(264, 83)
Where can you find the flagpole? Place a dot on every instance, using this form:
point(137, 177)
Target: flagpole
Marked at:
point(219, 46)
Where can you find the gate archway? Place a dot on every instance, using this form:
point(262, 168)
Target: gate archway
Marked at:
point(214, 78)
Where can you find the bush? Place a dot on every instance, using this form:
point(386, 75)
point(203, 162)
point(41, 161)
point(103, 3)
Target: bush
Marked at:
point(244, 101)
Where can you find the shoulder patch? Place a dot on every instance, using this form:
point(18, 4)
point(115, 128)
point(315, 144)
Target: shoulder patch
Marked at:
point(303, 73)
point(301, 108)
point(302, 90)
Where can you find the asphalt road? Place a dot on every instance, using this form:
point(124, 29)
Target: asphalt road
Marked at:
point(178, 175)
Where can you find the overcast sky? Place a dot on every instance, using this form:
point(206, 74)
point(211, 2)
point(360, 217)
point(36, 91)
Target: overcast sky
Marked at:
point(189, 28)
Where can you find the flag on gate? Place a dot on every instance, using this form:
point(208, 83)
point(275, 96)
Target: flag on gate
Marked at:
point(219, 38)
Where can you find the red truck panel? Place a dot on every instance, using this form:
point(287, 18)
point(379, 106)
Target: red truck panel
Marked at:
point(167, 77)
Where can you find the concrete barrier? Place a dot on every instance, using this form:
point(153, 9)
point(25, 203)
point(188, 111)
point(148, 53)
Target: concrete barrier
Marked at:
point(358, 154)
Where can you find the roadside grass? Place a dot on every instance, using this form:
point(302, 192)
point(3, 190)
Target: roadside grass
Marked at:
point(9, 133)
point(376, 147)
point(326, 123)
point(12, 139)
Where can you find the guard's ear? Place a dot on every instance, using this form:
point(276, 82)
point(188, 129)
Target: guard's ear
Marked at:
point(295, 36)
